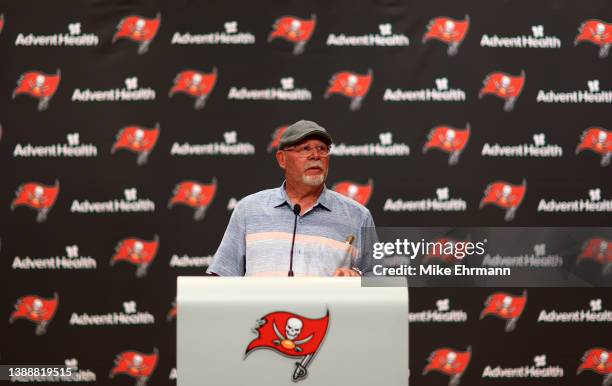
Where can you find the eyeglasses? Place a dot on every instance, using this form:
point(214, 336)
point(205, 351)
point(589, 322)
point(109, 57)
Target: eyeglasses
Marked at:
point(305, 150)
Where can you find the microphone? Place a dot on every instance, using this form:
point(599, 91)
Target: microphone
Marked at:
point(296, 210)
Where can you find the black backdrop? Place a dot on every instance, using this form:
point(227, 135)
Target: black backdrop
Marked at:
point(108, 62)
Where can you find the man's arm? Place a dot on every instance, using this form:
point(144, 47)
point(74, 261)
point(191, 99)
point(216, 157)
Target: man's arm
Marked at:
point(229, 258)
point(367, 238)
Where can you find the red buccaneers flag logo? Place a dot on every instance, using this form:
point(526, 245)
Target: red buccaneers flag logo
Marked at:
point(291, 335)
point(138, 252)
point(276, 137)
point(37, 310)
point(448, 139)
point(504, 86)
point(295, 30)
point(38, 197)
point(137, 139)
point(598, 360)
point(505, 195)
point(450, 362)
point(136, 364)
point(599, 250)
point(138, 29)
point(38, 85)
point(196, 84)
point(440, 254)
point(597, 140)
point(449, 31)
point(359, 193)
point(596, 32)
point(194, 194)
point(172, 313)
point(505, 306)
point(352, 85)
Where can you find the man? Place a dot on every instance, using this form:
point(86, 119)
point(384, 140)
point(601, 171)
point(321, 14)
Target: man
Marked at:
point(259, 235)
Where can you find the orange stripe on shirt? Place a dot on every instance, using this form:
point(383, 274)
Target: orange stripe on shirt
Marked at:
point(304, 239)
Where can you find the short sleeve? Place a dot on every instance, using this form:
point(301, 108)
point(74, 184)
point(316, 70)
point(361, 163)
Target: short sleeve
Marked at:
point(229, 258)
point(368, 237)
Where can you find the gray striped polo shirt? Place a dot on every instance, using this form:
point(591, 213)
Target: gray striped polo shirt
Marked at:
point(257, 240)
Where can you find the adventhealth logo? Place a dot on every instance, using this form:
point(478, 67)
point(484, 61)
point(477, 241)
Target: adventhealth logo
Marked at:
point(384, 38)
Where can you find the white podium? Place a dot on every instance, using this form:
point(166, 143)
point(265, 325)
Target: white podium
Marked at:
point(287, 331)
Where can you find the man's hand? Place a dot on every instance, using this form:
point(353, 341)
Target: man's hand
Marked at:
point(346, 272)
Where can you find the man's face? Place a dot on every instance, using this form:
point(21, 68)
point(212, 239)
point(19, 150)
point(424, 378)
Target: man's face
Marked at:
point(304, 167)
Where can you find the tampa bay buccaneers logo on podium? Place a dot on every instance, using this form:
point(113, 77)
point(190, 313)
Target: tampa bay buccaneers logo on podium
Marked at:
point(598, 360)
point(291, 335)
point(37, 310)
point(196, 195)
point(597, 140)
point(449, 31)
point(352, 85)
point(596, 32)
point(449, 140)
point(295, 30)
point(136, 364)
point(505, 306)
point(504, 86)
point(138, 29)
point(38, 197)
point(450, 362)
point(600, 251)
point(137, 139)
point(196, 84)
point(505, 195)
point(38, 85)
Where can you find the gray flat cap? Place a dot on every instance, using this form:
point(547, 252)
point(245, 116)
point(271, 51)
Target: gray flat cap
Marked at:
point(301, 130)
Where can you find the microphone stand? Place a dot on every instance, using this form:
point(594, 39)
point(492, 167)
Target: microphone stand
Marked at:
point(296, 210)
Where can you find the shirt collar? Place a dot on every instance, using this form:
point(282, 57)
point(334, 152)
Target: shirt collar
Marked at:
point(281, 198)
